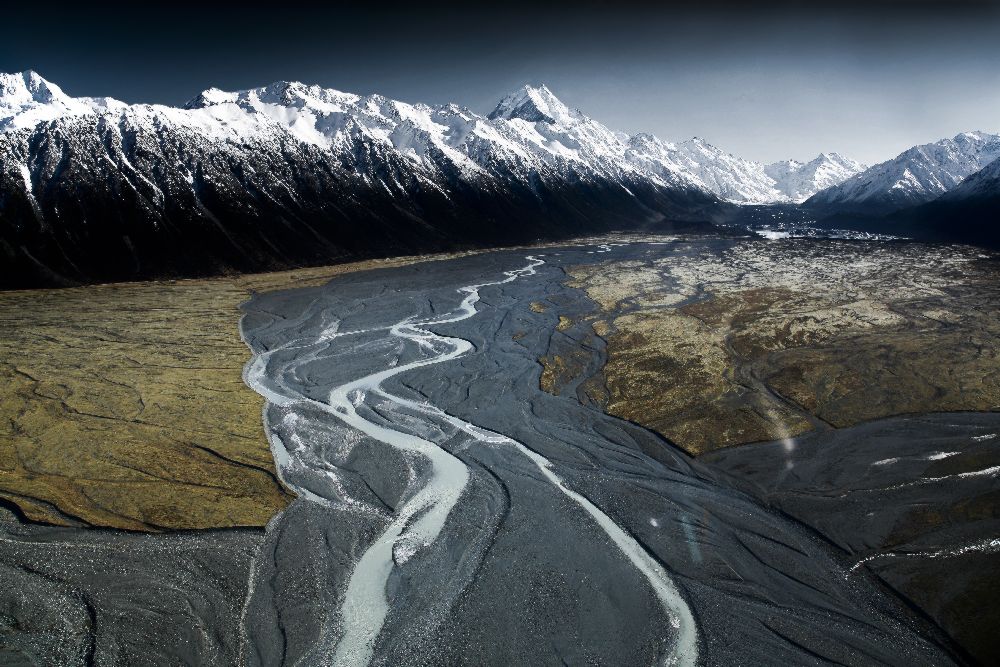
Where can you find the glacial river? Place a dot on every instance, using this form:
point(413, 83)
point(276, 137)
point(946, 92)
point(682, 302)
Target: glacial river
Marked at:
point(450, 512)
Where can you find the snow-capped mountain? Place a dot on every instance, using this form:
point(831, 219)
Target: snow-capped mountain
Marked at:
point(798, 181)
point(27, 99)
point(915, 176)
point(95, 189)
point(742, 181)
point(968, 213)
point(729, 177)
point(983, 184)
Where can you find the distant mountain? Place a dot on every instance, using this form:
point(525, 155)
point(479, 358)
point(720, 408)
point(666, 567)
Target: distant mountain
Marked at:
point(731, 178)
point(969, 213)
point(742, 181)
point(916, 176)
point(984, 184)
point(27, 99)
point(93, 189)
point(798, 181)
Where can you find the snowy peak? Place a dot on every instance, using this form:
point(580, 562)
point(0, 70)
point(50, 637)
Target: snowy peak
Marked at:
point(290, 94)
point(535, 105)
point(643, 141)
point(699, 144)
point(985, 183)
point(798, 181)
point(212, 97)
point(973, 139)
point(744, 181)
point(782, 167)
point(26, 88)
point(27, 99)
point(915, 176)
point(300, 95)
point(529, 131)
point(728, 176)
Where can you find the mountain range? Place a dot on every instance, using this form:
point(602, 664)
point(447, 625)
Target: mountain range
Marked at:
point(741, 181)
point(915, 176)
point(968, 213)
point(94, 189)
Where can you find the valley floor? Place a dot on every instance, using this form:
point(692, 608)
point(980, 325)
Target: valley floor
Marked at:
point(646, 404)
point(834, 356)
point(125, 414)
point(124, 405)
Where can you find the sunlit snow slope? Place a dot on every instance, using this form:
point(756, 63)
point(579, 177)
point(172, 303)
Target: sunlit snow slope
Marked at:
point(95, 189)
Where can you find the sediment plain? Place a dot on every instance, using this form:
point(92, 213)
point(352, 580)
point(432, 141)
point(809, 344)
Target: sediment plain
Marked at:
point(764, 340)
point(135, 479)
point(846, 361)
point(914, 499)
point(124, 405)
point(659, 450)
point(482, 520)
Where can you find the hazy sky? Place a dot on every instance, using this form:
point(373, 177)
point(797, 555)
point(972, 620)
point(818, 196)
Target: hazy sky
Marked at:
point(764, 81)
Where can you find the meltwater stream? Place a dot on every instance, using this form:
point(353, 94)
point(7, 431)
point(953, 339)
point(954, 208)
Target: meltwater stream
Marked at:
point(420, 519)
point(451, 513)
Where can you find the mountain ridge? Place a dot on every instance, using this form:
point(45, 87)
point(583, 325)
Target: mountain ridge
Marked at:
point(287, 175)
point(95, 189)
point(916, 176)
point(529, 104)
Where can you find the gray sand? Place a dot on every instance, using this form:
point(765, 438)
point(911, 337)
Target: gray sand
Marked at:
point(106, 597)
point(912, 498)
point(451, 513)
point(541, 559)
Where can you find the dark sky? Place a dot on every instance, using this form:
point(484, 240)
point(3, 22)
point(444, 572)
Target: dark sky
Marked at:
point(765, 81)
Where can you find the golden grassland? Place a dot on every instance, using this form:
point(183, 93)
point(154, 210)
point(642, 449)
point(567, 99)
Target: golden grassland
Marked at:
point(719, 351)
point(123, 405)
